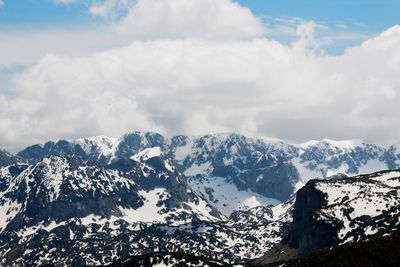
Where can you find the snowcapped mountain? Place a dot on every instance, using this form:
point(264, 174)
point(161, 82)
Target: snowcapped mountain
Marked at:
point(331, 212)
point(100, 149)
point(245, 167)
point(234, 172)
point(253, 170)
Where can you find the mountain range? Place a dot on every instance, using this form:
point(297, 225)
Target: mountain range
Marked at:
point(225, 196)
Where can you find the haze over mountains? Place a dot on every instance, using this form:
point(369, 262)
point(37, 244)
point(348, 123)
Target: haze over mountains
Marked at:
point(225, 196)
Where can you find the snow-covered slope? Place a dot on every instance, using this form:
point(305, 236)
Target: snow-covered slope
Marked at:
point(362, 207)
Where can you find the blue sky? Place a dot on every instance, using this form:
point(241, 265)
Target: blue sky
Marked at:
point(374, 15)
point(41, 13)
point(361, 19)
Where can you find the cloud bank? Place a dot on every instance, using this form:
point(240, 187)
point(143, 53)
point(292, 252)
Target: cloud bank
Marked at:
point(193, 84)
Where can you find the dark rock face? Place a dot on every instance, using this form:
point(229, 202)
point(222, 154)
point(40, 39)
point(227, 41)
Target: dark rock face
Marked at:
point(57, 148)
point(306, 233)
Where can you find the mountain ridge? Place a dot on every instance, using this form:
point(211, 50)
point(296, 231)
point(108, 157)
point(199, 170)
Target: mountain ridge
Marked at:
point(234, 157)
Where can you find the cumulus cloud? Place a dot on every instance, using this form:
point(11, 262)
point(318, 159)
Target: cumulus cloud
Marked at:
point(14, 52)
point(129, 20)
point(200, 67)
point(155, 19)
point(258, 87)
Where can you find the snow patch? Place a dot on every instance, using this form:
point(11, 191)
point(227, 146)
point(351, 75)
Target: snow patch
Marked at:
point(150, 211)
point(183, 151)
point(148, 153)
point(226, 197)
point(198, 169)
point(8, 211)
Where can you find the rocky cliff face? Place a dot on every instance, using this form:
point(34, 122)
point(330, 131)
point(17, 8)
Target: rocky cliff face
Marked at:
point(307, 233)
point(332, 212)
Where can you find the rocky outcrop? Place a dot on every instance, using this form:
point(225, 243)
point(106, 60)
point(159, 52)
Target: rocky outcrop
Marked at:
point(332, 212)
point(307, 233)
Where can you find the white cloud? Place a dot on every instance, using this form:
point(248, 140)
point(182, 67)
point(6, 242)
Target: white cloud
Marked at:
point(64, 2)
point(154, 19)
point(260, 87)
point(193, 67)
point(109, 9)
point(22, 48)
point(327, 37)
point(1, 3)
point(135, 20)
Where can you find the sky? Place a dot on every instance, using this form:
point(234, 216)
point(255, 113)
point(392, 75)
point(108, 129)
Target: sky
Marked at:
point(296, 70)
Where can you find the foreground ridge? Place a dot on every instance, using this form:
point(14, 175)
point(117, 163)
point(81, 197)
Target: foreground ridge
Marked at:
point(332, 212)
